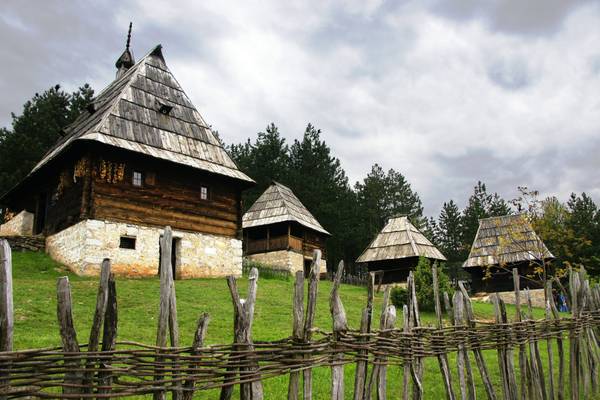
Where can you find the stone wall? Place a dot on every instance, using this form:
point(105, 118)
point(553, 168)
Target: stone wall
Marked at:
point(19, 225)
point(284, 259)
point(83, 246)
point(537, 297)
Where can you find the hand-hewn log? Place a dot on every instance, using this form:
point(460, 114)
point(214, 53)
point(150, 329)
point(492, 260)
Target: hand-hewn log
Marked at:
point(297, 330)
point(68, 334)
point(443, 358)
point(311, 306)
point(197, 345)
point(340, 326)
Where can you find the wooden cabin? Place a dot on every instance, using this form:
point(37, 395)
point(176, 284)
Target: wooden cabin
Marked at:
point(395, 251)
point(139, 158)
point(279, 231)
point(501, 244)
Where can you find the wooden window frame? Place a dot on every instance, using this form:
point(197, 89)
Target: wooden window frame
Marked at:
point(134, 180)
point(202, 189)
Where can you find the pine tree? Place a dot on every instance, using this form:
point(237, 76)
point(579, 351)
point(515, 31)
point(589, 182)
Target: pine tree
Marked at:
point(449, 232)
point(36, 130)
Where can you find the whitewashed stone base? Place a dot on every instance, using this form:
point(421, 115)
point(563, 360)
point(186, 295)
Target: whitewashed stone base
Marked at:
point(284, 259)
point(537, 297)
point(83, 246)
point(19, 225)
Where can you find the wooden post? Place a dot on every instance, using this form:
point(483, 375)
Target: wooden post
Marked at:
point(442, 358)
point(6, 305)
point(197, 344)
point(465, 373)
point(383, 322)
point(360, 377)
point(311, 306)
point(297, 330)
point(559, 345)
point(340, 326)
point(99, 313)
point(408, 362)
point(477, 353)
point(416, 368)
point(67, 334)
point(167, 314)
point(109, 335)
point(573, 336)
point(522, 352)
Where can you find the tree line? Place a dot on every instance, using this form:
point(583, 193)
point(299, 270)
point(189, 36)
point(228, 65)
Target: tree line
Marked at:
point(352, 212)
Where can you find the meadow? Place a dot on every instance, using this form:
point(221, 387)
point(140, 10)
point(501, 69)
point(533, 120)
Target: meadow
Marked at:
point(35, 276)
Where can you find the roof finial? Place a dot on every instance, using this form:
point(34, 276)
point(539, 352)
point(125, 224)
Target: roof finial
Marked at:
point(129, 36)
point(126, 60)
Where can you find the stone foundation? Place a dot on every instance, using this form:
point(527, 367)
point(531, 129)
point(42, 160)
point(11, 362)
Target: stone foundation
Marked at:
point(83, 246)
point(19, 225)
point(284, 259)
point(537, 297)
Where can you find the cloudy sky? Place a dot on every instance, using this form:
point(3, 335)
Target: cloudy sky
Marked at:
point(447, 92)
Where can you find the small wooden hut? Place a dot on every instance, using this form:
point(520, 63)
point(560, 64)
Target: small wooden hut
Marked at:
point(281, 232)
point(501, 244)
point(396, 251)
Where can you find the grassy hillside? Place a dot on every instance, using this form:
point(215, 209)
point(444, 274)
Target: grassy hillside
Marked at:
point(35, 316)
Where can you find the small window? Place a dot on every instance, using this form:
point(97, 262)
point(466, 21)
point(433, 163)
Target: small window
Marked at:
point(127, 242)
point(204, 192)
point(137, 178)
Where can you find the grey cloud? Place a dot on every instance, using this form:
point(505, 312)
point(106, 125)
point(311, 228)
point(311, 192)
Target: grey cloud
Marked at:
point(527, 17)
point(510, 73)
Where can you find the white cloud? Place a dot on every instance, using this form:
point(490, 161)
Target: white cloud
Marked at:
point(445, 100)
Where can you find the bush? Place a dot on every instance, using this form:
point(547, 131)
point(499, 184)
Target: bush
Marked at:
point(424, 285)
point(399, 297)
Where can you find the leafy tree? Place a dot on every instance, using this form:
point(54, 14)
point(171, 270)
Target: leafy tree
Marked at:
point(584, 221)
point(36, 130)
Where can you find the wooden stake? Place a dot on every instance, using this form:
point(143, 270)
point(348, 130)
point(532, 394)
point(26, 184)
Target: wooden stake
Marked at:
point(197, 345)
point(6, 306)
point(442, 358)
point(109, 335)
point(68, 334)
point(340, 326)
point(297, 333)
point(311, 306)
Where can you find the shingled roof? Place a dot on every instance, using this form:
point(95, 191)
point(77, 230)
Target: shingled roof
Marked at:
point(279, 204)
point(399, 239)
point(145, 110)
point(504, 240)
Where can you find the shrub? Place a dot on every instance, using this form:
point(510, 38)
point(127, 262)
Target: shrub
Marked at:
point(424, 285)
point(399, 297)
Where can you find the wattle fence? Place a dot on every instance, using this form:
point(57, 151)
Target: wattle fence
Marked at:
point(105, 367)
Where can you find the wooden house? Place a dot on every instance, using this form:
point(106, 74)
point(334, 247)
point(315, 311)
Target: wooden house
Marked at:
point(139, 158)
point(395, 251)
point(281, 232)
point(501, 244)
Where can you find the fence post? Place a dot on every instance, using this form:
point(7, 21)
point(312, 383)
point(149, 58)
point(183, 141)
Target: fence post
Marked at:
point(109, 335)
point(479, 360)
point(416, 367)
point(340, 326)
point(442, 358)
point(197, 344)
point(311, 306)
point(360, 378)
point(68, 335)
point(6, 305)
point(559, 344)
point(463, 362)
point(574, 336)
point(298, 323)
point(519, 332)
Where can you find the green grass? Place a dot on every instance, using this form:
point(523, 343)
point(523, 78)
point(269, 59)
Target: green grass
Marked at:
point(35, 276)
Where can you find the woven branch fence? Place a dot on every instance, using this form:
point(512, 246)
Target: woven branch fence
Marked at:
point(105, 367)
